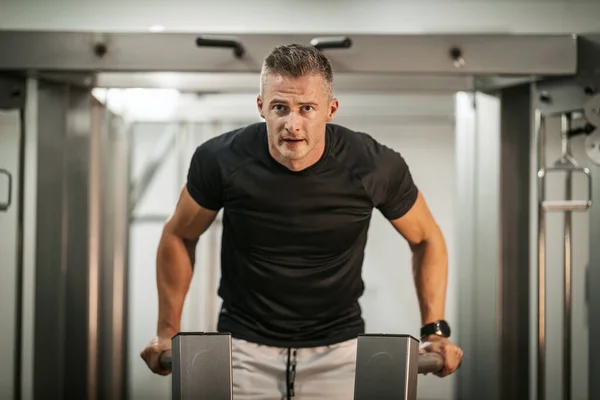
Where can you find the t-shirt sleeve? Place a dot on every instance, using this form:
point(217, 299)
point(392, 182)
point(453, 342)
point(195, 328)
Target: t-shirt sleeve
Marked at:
point(394, 191)
point(204, 179)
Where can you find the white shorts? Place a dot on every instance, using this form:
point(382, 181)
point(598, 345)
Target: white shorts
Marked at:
point(317, 373)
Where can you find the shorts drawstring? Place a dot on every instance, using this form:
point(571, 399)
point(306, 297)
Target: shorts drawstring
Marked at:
point(291, 373)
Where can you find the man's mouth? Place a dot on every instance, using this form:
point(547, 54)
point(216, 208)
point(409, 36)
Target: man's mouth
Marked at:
point(292, 140)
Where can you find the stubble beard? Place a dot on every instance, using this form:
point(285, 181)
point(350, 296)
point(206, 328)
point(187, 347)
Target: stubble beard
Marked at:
point(292, 154)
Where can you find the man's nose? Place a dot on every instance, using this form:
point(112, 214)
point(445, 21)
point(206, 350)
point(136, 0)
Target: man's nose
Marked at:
point(292, 123)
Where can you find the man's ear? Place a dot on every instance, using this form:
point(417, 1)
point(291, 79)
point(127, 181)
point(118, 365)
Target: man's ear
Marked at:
point(259, 104)
point(333, 107)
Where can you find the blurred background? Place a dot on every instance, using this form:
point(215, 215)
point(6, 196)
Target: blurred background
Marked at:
point(97, 156)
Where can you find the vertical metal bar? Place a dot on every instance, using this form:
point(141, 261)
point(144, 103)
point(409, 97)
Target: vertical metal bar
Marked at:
point(120, 204)
point(465, 145)
point(29, 239)
point(593, 286)
point(488, 284)
point(18, 382)
point(516, 117)
point(541, 354)
point(127, 131)
point(95, 226)
point(568, 218)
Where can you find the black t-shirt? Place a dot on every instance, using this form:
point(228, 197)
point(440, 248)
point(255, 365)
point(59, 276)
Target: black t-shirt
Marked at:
point(293, 242)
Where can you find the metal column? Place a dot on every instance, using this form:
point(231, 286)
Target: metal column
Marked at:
point(493, 151)
point(76, 242)
point(517, 117)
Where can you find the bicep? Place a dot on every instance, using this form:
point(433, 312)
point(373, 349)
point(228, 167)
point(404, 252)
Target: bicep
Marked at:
point(189, 220)
point(418, 224)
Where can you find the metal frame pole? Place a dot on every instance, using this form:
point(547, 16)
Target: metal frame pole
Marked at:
point(568, 260)
point(541, 353)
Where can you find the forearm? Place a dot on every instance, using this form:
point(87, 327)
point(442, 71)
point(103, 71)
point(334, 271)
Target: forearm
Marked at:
point(174, 264)
point(430, 272)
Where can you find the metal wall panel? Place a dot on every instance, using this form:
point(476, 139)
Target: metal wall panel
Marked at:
point(10, 251)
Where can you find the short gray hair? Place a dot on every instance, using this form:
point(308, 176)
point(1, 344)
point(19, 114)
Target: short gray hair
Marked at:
point(296, 60)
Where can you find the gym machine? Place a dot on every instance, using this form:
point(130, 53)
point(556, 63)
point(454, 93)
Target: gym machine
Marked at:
point(568, 166)
point(387, 366)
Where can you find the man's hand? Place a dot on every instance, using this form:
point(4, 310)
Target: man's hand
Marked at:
point(151, 354)
point(451, 352)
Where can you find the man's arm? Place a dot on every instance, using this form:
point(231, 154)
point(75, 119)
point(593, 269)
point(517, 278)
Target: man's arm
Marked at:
point(430, 270)
point(430, 259)
point(175, 260)
point(399, 200)
point(174, 269)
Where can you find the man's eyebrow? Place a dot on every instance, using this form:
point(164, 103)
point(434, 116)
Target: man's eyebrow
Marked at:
point(282, 101)
point(278, 100)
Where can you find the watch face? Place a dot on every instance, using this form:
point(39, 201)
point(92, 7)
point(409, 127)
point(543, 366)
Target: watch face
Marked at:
point(443, 328)
point(440, 328)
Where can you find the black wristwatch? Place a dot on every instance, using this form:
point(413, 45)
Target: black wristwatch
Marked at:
point(440, 328)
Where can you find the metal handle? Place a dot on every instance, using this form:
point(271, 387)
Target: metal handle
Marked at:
point(342, 42)
point(5, 206)
point(430, 363)
point(166, 359)
point(565, 205)
point(205, 41)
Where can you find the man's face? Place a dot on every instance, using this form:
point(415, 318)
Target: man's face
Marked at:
point(296, 111)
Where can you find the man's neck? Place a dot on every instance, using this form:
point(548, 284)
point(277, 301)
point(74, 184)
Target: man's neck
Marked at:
point(298, 165)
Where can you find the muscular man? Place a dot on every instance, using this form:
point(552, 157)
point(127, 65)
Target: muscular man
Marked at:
point(298, 193)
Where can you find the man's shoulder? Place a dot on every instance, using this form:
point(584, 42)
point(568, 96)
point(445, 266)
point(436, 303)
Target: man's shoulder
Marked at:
point(233, 148)
point(230, 150)
point(356, 148)
point(241, 141)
